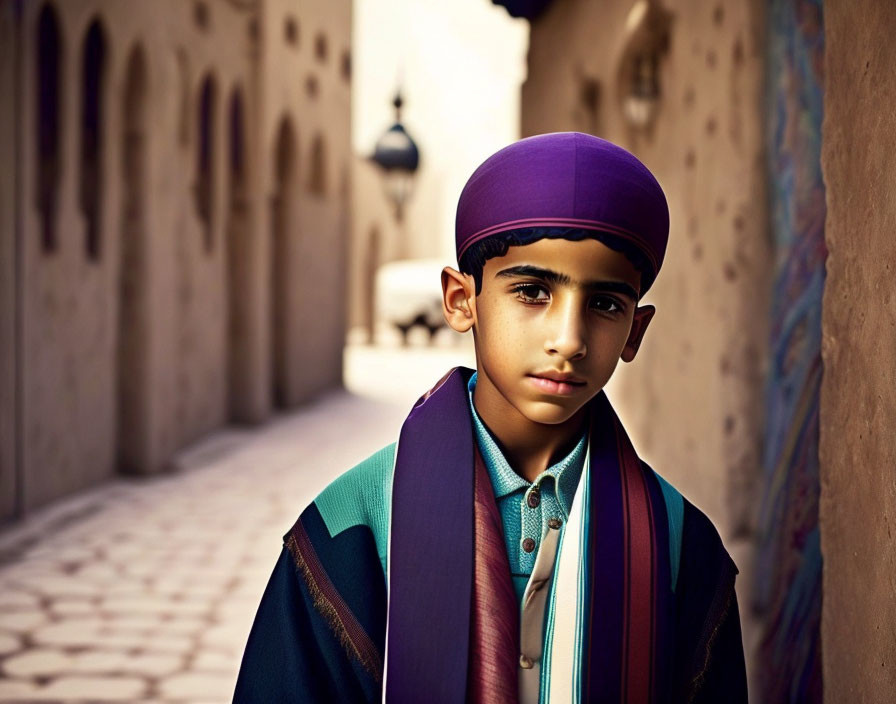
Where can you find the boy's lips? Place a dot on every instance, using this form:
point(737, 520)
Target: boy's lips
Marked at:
point(556, 382)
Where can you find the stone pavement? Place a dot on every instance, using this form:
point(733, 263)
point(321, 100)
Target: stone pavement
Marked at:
point(145, 590)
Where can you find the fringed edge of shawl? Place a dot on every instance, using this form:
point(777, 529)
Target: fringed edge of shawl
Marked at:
point(332, 607)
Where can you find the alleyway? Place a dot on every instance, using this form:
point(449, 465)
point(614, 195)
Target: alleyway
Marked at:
point(145, 590)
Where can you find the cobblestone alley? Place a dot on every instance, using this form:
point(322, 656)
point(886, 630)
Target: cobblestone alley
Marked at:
point(145, 590)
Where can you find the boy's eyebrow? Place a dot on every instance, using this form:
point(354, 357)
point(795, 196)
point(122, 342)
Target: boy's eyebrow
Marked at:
point(555, 277)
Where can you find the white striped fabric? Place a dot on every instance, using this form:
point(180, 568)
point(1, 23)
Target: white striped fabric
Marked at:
point(563, 661)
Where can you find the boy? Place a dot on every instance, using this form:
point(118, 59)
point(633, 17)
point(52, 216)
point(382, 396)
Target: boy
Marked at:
point(511, 546)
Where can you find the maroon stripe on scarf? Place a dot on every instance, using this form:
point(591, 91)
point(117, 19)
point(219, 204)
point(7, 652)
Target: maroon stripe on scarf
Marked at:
point(331, 606)
point(639, 554)
point(494, 617)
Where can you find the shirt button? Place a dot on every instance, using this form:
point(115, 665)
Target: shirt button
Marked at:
point(555, 523)
point(533, 499)
point(528, 544)
point(525, 662)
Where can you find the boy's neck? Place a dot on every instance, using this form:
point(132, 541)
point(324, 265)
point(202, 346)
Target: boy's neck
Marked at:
point(529, 447)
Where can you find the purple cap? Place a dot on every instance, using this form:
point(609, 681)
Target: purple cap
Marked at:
point(566, 179)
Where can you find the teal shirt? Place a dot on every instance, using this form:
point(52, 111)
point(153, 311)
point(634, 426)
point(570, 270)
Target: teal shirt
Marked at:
point(363, 496)
point(527, 507)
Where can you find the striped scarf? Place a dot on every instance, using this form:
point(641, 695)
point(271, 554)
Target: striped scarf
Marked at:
point(452, 628)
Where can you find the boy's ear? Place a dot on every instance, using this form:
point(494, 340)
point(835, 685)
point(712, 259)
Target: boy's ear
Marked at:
point(458, 299)
point(643, 316)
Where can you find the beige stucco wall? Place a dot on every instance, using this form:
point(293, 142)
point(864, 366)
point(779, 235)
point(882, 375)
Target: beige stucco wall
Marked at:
point(377, 238)
point(858, 394)
point(70, 302)
point(318, 308)
point(186, 301)
point(692, 399)
point(201, 328)
point(8, 394)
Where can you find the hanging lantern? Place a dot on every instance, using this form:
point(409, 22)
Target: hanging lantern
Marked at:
point(397, 155)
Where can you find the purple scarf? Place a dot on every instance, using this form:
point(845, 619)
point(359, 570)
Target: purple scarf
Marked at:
point(443, 643)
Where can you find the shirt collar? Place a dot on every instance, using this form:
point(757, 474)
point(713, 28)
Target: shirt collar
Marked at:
point(564, 473)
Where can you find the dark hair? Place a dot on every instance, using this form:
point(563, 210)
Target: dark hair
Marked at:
point(474, 259)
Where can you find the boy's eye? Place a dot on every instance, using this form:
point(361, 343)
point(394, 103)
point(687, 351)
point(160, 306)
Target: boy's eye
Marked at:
point(531, 293)
point(605, 304)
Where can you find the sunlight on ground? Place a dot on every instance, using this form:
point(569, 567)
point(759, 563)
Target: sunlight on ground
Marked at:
point(389, 371)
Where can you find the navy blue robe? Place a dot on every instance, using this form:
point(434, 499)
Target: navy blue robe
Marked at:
point(298, 653)
point(321, 628)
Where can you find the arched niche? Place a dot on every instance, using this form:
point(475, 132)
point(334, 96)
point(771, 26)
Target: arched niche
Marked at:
point(236, 122)
point(92, 128)
point(183, 88)
point(238, 246)
point(48, 113)
point(283, 232)
point(317, 178)
point(205, 158)
point(133, 324)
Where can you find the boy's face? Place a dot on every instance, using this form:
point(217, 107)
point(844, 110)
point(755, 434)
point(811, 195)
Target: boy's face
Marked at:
point(550, 324)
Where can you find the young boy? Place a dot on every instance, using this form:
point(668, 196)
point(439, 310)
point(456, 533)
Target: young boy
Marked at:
point(511, 546)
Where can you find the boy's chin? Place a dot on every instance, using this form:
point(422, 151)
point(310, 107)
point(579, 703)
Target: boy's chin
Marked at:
point(548, 413)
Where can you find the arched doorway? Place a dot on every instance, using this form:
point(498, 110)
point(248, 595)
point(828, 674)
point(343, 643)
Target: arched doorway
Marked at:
point(49, 116)
point(92, 130)
point(132, 314)
point(237, 258)
point(205, 159)
point(317, 179)
point(283, 226)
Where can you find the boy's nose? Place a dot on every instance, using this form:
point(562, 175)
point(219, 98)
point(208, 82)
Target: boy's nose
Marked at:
point(566, 335)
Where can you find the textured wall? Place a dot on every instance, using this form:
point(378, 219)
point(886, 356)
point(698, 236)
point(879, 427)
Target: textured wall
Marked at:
point(788, 565)
point(166, 334)
point(8, 357)
point(858, 394)
point(692, 398)
point(318, 250)
point(376, 239)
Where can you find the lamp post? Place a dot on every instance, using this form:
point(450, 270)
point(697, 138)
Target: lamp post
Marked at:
point(398, 157)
